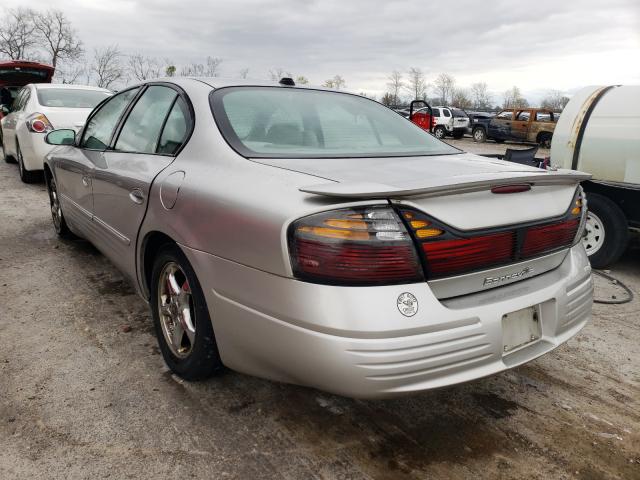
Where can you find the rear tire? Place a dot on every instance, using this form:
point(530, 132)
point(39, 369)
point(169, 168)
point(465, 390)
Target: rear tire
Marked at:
point(192, 353)
point(545, 140)
point(607, 232)
point(479, 135)
point(27, 176)
point(440, 132)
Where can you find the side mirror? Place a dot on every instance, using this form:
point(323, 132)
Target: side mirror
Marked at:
point(64, 136)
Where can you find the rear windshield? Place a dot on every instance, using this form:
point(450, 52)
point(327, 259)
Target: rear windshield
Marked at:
point(459, 113)
point(70, 97)
point(277, 122)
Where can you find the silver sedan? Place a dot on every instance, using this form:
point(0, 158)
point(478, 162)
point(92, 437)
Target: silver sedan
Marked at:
point(318, 238)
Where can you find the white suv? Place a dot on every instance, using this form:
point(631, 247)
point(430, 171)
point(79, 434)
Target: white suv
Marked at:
point(449, 121)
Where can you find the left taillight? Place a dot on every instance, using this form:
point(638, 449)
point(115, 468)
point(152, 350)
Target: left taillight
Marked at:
point(39, 123)
point(354, 246)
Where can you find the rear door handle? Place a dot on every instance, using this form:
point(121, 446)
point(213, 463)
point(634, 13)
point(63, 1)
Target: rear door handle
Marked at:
point(136, 196)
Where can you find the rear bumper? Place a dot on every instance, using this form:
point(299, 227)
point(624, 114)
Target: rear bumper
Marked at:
point(34, 149)
point(353, 341)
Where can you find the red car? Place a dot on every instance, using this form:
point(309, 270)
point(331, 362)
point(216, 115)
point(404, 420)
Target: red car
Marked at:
point(15, 74)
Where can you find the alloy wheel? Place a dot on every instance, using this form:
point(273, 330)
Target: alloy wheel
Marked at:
point(176, 310)
point(56, 210)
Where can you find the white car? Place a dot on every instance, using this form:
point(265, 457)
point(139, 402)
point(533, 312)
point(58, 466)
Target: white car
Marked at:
point(449, 121)
point(38, 109)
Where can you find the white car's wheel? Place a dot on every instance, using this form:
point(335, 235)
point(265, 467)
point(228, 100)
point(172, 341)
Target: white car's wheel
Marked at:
point(594, 234)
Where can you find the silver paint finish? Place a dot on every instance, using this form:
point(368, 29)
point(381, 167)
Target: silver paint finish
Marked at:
point(230, 216)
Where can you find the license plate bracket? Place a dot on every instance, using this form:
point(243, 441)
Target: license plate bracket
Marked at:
point(520, 328)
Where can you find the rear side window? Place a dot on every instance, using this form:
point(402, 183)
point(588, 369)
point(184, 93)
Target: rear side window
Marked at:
point(545, 117)
point(97, 134)
point(505, 115)
point(70, 97)
point(175, 129)
point(523, 116)
point(141, 130)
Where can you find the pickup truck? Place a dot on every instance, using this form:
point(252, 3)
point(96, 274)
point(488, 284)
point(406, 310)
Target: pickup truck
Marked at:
point(532, 125)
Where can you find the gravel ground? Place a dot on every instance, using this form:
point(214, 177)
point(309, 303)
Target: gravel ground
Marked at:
point(81, 396)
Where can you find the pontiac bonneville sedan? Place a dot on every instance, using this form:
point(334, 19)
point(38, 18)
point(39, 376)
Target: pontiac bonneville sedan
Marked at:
point(318, 238)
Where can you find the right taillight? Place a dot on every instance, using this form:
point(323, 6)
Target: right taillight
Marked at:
point(448, 252)
point(354, 246)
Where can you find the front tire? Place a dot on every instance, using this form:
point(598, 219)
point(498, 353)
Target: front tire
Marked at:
point(27, 176)
point(606, 231)
point(181, 317)
point(3, 153)
point(59, 223)
point(440, 132)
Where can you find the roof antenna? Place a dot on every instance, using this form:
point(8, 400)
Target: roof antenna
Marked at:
point(288, 81)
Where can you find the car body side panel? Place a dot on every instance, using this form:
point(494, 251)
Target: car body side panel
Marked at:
point(121, 185)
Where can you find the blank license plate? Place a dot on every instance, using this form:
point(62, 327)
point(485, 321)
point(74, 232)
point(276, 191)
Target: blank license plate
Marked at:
point(520, 328)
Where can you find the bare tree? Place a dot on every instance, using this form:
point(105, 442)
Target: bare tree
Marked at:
point(142, 67)
point(388, 99)
point(554, 100)
point(59, 39)
point(70, 72)
point(277, 73)
point(18, 34)
point(395, 85)
point(107, 66)
point(212, 66)
point(481, 96)
point(513, 99)
point(460, 98)
point(337, 83)
point(444, 86)
point(192, 70)
point(244, 73)
point(416, 84)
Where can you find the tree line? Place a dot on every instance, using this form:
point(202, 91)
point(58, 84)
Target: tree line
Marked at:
point(48, 36)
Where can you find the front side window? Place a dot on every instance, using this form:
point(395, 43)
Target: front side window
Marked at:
point(70, 97)
point(275, 122)
point(99, 129)
point(141, 130)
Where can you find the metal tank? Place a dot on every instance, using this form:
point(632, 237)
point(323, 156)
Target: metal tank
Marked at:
point(599, 133)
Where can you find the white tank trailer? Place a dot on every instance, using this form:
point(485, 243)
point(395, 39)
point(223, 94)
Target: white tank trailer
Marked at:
point(599, 133)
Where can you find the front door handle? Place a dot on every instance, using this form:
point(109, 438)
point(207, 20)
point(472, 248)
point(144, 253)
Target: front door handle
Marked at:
point(136, 196)
point(86, 181)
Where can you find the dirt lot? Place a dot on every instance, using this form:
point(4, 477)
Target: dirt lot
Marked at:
point(81, 398)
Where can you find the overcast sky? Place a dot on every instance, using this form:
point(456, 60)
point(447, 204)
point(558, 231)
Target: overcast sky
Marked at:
point(536, 45)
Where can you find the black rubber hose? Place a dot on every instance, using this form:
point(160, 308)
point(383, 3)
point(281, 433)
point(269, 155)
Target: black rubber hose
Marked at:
point(616, 282)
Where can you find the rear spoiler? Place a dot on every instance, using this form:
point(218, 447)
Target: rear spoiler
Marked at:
point(450, 186)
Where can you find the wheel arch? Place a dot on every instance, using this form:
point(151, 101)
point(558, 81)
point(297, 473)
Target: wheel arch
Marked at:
point(543, 133)
point(152, 242)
